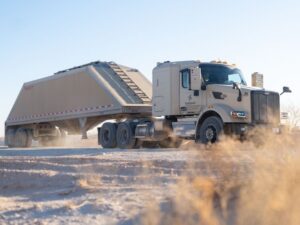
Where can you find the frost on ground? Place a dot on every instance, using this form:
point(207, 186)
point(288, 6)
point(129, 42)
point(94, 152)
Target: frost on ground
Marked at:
point(151, 186)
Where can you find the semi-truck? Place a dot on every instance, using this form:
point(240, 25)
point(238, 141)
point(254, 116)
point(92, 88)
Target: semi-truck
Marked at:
point(192, 100)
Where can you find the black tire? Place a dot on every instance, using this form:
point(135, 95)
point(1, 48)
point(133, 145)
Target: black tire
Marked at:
point(108, 135)
point(125, 136)
point(10, 137)
point(209, 131)
point(21, 138)
point(170, 142)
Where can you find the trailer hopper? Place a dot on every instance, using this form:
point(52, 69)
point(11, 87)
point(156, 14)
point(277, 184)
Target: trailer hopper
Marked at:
point(76, 100)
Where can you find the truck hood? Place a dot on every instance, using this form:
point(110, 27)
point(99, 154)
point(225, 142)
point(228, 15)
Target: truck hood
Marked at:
point(244, 88)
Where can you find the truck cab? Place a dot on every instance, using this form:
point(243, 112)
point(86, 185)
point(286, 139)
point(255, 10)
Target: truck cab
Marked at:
point(205, 99)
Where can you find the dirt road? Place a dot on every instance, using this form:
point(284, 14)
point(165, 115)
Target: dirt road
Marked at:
point(89, 185)
point(101, 186)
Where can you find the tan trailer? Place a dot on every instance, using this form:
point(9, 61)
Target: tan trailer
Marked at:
point(75, 101)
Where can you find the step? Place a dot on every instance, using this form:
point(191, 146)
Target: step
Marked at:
point(130, 84)
point(138, 92)
point(126, 80)
point(118, 70)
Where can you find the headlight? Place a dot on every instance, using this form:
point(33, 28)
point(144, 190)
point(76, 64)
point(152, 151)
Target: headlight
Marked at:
point(238, 115)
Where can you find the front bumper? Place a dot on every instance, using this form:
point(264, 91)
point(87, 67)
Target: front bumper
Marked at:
point(245, 129)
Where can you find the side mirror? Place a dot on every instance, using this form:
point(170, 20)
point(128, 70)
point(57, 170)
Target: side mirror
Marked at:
point(286, 90)
point(196, 79)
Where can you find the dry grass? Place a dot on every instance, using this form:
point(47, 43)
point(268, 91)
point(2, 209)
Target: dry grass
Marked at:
point(263, 192)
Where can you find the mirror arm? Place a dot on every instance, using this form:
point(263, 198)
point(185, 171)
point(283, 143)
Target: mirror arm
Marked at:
point(236, 86)
point(286, 90)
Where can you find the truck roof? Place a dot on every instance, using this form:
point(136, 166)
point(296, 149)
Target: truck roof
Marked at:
point(195, 62)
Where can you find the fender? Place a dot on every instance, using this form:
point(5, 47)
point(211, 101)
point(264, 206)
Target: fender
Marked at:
point(222, 110)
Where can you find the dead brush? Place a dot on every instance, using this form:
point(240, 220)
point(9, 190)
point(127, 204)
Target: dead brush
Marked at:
point(245, 183)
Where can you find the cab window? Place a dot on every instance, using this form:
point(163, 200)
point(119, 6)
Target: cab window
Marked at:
point(185, 78)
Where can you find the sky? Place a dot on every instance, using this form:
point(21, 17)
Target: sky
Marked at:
point(39, 38)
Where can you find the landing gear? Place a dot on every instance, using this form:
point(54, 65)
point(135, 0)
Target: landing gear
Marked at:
point(209, 131)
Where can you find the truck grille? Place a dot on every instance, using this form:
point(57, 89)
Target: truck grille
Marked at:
point(265, 107)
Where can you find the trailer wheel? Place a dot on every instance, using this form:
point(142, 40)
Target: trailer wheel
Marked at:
point(108, 135)
point(125, 136)
point(10, 135)
point(209, 131)
point(21, 138)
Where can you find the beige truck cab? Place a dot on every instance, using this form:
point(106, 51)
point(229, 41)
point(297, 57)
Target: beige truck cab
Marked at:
point(205, 99)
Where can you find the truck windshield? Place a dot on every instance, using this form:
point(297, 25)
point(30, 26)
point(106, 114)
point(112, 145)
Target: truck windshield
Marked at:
point(220, 74)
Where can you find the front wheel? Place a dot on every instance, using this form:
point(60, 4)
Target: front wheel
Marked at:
point(209, 131)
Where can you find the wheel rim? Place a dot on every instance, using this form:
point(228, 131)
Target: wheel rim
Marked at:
point(211, 134)
point(106, 136)
point(124, 136)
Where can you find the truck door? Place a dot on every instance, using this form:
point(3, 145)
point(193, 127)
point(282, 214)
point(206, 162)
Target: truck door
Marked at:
point(190, 100)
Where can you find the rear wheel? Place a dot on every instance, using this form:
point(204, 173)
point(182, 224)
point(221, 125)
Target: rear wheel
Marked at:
point(108, 135)
point(22, 138)
point(10, 137)
point(125, 136)
point(209, 131)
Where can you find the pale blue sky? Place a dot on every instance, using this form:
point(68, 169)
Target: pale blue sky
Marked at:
point(39, 38)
